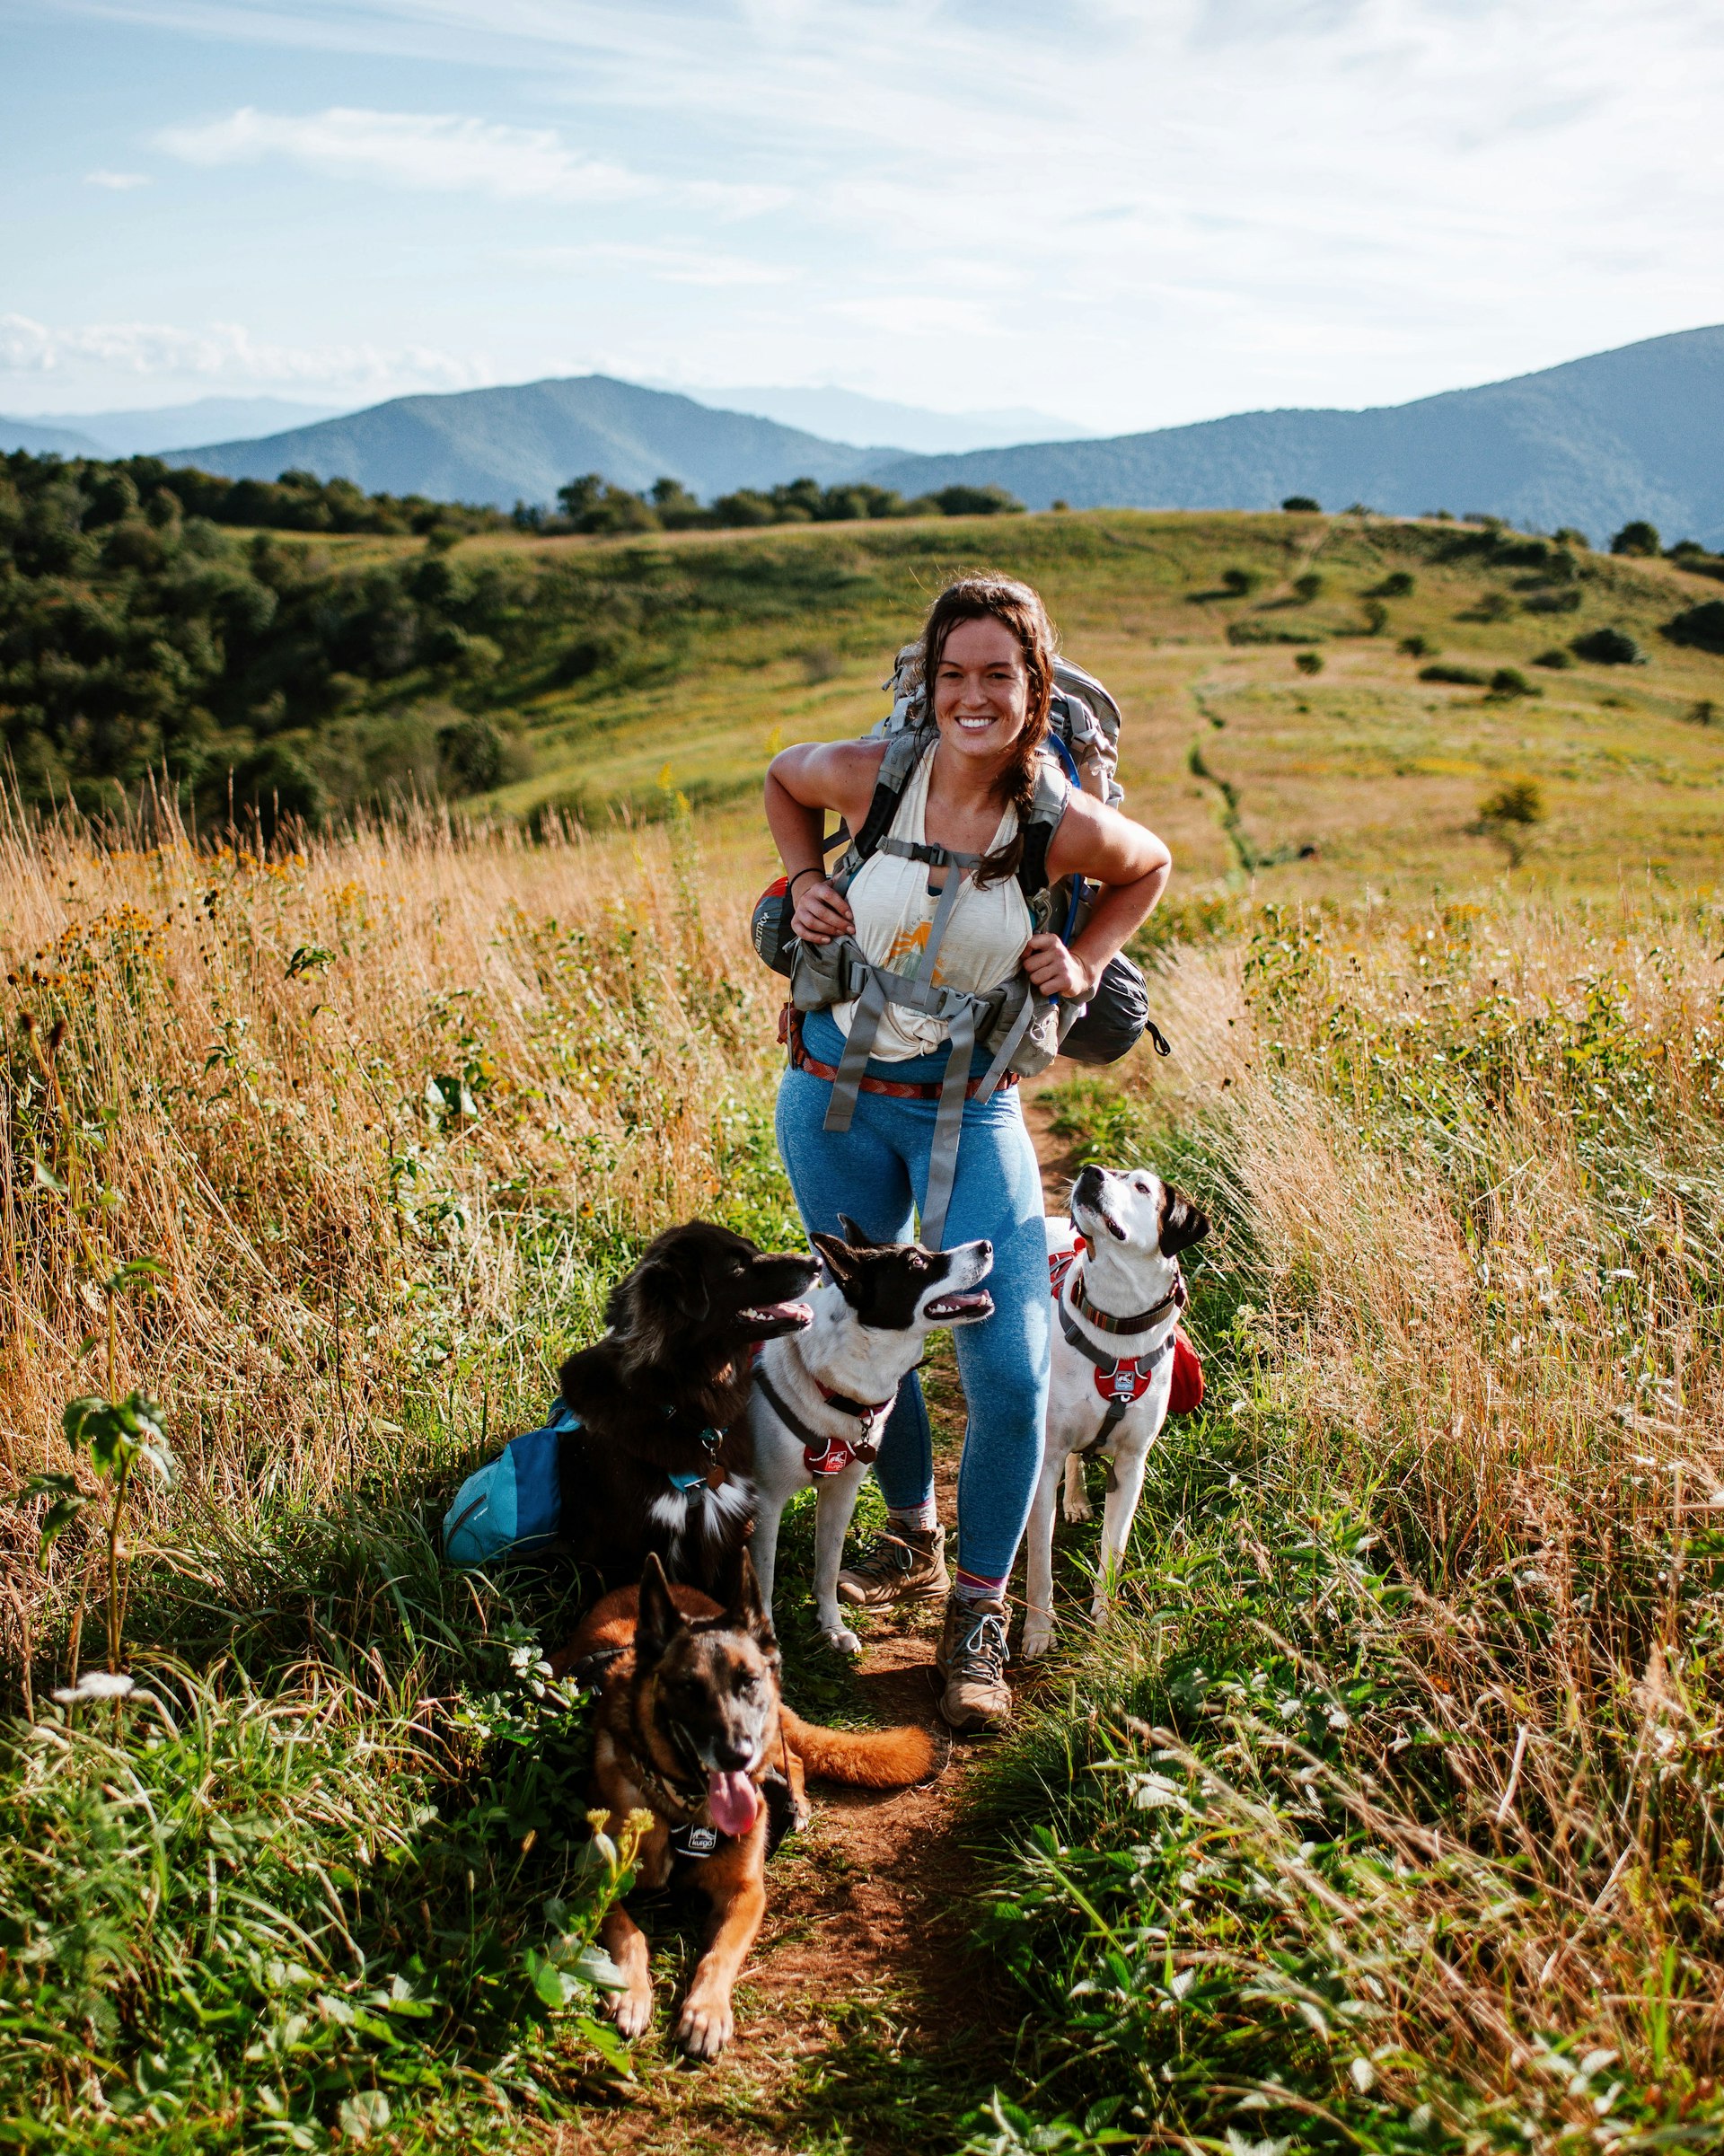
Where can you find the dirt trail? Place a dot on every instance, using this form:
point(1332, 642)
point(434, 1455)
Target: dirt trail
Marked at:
point(859, 1985)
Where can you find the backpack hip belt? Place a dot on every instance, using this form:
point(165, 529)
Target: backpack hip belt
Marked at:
point(898, 1089)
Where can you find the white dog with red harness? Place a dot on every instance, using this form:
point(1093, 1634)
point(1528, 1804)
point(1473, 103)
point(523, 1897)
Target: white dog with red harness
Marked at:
point(822, 1395)
point(1117, 1292)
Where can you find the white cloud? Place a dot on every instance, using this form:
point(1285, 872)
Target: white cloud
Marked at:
point(441, 151)
point(670, 265)
point(727, 199)
point(226, 352)
point(1154, 212)
point(119, 181)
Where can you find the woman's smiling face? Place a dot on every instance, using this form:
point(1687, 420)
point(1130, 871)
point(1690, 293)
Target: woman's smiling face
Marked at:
point(981, 689)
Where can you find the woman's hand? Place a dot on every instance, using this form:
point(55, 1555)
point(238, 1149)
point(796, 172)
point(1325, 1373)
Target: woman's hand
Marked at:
point(820, 912)
point(1055, 970)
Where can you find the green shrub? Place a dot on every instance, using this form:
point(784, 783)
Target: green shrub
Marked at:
point(1417, 647)
point(1702, 713)
point(1458, 677)
point(1607, 647)
point(1399, 583)
point(1555, 658)
point(978, 501)
point(1240, 583)
point(1566, 535)
point(1701, 626)
point(1308, 661)
point(1308, 587)
point(1509, 813)
point(1302, 505)
point(1637, 537)
point(1510, 681)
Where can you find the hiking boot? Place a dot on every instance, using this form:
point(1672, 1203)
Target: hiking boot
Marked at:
point(903, 1564)
point(972, 1661)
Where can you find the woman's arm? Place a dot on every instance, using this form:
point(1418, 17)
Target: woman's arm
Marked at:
point(1130, 863)
point(802, 784)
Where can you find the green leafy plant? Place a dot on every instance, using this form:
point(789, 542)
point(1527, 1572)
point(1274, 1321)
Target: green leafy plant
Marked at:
point(1509, 814)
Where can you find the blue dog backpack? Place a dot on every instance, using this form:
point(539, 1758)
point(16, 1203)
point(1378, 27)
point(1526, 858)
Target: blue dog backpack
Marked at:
point(513, 1506)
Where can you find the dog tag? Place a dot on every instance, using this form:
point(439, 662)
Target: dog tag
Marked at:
point(715, 1477)
point(696, 1841)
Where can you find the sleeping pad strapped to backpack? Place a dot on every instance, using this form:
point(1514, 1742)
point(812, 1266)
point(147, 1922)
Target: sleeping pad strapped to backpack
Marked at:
point(1020, 1031)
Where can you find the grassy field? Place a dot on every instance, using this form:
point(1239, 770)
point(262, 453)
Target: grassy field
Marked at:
point(1385, 1813)
point(719, 649)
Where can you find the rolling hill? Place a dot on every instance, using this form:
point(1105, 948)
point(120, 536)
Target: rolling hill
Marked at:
point(1636, 432)
point(43, 438)
point(504, 445)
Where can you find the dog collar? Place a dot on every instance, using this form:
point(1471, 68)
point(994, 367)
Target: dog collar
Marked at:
point(867, 1412)
point(1139, 1321)
point(696, 1841)
point(703, 1478)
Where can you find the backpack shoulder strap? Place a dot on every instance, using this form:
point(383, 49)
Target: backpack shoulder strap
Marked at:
point(903, 752)
point(1054, 789)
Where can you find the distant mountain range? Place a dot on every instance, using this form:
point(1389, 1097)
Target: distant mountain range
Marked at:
point(1635, 432)
point(155, 428)
point(504, 446)
point(844, 415)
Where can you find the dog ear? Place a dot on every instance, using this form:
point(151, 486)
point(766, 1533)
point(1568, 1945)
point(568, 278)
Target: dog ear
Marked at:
point(854, 1235)
point(660, 1620)
point(746, 1606)
point(650, 1308)
point(1182, 1224)
point(589, 1380)
point(837, 1254)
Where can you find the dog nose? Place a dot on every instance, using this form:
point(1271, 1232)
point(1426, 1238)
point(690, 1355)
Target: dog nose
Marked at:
point(731, 1756)
point(985, 1247)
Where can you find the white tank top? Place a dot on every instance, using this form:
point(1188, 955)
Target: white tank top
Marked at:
point(893, 908)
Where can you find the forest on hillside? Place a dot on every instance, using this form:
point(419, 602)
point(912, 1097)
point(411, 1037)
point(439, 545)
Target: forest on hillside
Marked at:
point(357, 653)
point(148, 636)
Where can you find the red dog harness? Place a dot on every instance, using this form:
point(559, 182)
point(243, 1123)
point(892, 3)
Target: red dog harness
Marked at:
point(823, 1455)
point(1122, 1380)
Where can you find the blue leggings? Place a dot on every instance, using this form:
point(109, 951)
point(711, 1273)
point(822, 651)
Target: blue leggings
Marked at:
point(876, 1171)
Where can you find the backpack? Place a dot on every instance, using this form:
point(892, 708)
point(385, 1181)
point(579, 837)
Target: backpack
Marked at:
point(512, 1506)
point(1020, 1030)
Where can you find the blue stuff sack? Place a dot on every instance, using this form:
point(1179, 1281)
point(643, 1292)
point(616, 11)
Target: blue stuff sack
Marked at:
point(513, 1506)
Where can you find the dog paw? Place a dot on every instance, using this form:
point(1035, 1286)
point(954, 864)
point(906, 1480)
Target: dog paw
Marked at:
point(632, 2011)
point(704, 2027)
point(1037, 1640)
point(1077, 1507)
point(842, 1641)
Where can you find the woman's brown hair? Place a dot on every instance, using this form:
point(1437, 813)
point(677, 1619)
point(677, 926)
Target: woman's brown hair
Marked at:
point(1019, 608)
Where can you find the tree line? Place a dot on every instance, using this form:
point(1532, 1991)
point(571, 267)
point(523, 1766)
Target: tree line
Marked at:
point(592, 504)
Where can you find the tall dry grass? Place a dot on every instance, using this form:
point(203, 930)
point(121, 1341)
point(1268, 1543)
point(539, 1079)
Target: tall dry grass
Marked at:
point(390, 1111)
point(1473, 1169)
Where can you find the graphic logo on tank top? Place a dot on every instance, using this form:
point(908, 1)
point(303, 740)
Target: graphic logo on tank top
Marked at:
point(911, 943)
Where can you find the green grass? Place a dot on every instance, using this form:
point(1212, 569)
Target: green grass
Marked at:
point(717, 649)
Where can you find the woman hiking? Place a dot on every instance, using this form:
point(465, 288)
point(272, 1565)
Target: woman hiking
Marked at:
point(872, 1138)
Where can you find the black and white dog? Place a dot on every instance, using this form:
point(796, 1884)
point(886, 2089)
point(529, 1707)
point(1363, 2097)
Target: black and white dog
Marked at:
point(1118, 1293)
point(821, 1396)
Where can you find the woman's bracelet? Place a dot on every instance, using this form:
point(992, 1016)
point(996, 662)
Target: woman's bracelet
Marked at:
point(790, 880)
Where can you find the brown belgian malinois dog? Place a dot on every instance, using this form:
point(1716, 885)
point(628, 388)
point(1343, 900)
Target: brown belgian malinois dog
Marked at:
point(690, 1725)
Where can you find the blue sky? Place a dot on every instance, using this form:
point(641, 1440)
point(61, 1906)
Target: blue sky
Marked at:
point(1128, 212)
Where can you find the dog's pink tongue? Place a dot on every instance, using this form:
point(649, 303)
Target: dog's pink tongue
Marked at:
point(732, 1801)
